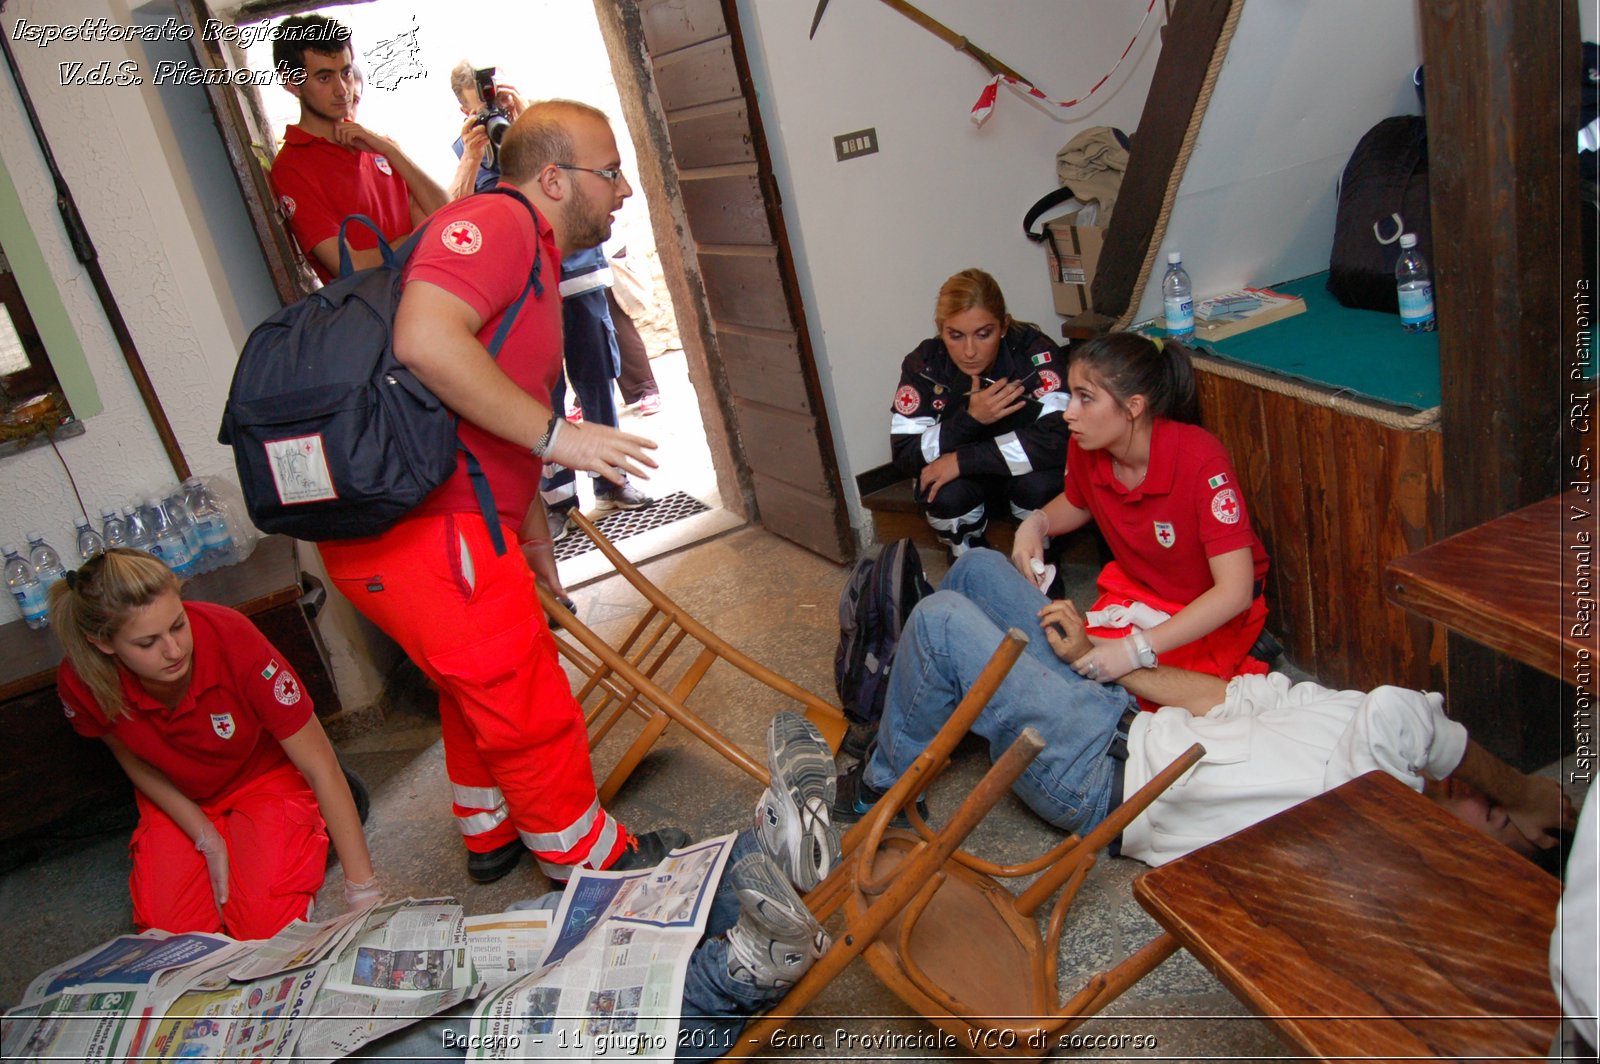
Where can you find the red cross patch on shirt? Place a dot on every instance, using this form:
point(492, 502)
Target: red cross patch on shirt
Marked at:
point(1225, 507)
point(462, 237)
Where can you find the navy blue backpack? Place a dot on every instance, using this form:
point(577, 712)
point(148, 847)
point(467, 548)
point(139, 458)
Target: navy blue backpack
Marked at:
point(332, 436)
point(877, 598)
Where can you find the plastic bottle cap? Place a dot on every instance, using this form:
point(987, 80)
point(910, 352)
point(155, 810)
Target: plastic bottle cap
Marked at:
point(34, 536)
point(1408, 240)
point(9, 548)
point(1173, 258)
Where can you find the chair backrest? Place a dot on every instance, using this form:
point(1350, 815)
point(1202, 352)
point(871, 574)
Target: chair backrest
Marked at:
point(935, 924)
point(649, 674)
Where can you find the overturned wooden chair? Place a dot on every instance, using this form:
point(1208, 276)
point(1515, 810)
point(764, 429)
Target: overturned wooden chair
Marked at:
point(623, 682)
point(938, 928)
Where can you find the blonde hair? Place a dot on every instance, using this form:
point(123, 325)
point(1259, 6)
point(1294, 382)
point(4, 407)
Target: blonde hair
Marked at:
point(542, 135)
point(970, 288)
point(92, 603)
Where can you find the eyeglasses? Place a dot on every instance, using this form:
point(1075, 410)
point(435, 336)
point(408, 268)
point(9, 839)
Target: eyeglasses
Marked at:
point(607, 173)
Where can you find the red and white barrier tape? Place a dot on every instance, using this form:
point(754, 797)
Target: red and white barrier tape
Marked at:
point(991, 91)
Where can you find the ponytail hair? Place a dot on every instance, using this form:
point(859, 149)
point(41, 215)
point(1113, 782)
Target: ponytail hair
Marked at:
point(1127, 364)
point(92, 603)
point(970, 288)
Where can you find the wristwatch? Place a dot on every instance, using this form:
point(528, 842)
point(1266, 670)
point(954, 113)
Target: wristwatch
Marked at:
point(548, 438)
point(1142, 651)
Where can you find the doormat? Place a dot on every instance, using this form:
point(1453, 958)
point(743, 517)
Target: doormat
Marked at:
point(620, 524)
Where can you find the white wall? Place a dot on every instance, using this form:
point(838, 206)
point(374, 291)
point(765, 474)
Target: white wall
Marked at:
point(1301, 83)
point(166, 244)
point(159, 199)
point(874, 237)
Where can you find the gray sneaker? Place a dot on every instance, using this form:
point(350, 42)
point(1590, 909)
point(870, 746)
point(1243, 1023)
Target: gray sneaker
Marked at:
point(608, 497)
point(792, 817)
point(776, 940)
point(560, 524)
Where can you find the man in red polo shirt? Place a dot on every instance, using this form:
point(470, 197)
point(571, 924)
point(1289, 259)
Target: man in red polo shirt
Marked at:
point(330, 167)
point(466, 612)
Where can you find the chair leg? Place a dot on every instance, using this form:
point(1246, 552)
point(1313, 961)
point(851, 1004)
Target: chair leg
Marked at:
point(635, 753)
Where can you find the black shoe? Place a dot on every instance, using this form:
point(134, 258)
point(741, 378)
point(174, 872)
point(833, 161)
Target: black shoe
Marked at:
point(858, 738)
point(649, 849)
point(1267, 649)
point(497, 863)
point(854, 798)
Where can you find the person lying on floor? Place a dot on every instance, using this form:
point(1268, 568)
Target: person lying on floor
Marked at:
point(760, 937)
point(1270, 743)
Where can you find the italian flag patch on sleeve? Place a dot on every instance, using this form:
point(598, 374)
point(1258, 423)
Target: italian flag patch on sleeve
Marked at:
point(1217, 481)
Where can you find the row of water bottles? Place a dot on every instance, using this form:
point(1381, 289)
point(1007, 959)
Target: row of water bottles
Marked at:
point(188, 529)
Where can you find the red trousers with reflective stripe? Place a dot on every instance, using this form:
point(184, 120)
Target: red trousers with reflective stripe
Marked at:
point(471, 621)
point(277, 857)
point(1225, 653)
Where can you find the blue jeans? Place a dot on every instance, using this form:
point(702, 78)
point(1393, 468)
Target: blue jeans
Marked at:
point(947, 641)
point(715, 1005)
point(592, 365)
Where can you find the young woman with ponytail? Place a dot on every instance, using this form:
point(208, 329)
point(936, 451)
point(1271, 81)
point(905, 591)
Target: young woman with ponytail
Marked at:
point(1165, 495)
point(233, 774)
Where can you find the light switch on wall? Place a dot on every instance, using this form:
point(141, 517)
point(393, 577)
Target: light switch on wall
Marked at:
point(850, 145)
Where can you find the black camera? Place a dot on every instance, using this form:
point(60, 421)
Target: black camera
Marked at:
point(492, 117)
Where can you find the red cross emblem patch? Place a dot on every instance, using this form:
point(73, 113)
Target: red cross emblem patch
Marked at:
point(906, 400)
point(222, 724)
point(1165, 535)
point(1225, 507)
point(285, 689)
point(462, 237)
point(383, 164)
point(1048, 382)
point(287, 203)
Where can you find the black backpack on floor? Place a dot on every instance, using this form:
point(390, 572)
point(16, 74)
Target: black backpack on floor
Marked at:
point(873, 607)
point(1383, 193)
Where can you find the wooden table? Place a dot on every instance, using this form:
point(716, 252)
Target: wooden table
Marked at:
point(1367, 922)
point(1507, 584)
point(61, 773)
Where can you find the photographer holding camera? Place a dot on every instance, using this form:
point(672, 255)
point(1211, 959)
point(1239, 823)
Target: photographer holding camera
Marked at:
point(490, 108)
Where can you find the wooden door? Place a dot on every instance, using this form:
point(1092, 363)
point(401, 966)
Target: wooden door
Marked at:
point(248, 141)
point(771, 396)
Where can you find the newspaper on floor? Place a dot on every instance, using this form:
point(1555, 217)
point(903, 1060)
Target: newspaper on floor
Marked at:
point(611, 981)
point(409, 961)
point(166, 997)
point(506, 946)
point(98, 1005)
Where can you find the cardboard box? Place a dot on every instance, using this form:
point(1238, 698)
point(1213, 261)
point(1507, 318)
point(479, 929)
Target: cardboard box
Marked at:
point(1074, 252)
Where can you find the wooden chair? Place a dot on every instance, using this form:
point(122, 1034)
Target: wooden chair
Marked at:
point(937, 927)
point(624, 682)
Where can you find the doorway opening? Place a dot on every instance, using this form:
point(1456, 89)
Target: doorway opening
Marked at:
point(544, 48)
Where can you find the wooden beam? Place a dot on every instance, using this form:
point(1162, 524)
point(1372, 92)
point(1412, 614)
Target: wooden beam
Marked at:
point(1502, 89)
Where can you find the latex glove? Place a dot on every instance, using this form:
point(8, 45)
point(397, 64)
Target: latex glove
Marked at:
point(600, 449)
point(215, 851)
point(1027, 546)
point(1134, 614)
point(358, 894)
point(1108, 662)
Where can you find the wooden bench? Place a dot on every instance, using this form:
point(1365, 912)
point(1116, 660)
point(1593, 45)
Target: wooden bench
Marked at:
point(1368, 923)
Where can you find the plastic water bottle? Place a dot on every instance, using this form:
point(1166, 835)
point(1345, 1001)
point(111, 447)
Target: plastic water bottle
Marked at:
point(1177, 298)
point(25, 588)
point(1415, 287)
point(113, 529)
point(212, 523)
point(89, 541)
point(44, 558)
point(178, 510)
point(166, 540)
point(138, 526)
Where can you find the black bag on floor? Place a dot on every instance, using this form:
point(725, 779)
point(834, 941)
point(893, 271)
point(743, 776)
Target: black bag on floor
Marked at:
point(873, 607)
point(1383, 193)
